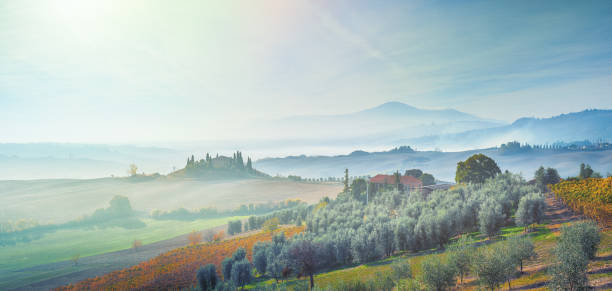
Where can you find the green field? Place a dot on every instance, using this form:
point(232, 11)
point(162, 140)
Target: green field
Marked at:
point(58, 201)
point(63, 200)
point(63, 244)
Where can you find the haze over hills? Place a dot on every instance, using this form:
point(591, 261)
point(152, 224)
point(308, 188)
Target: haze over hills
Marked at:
point(388, 119)
point(375, 129)
point(441, 164)
point(576, 126)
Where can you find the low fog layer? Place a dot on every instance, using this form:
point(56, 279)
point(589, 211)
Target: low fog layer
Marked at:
point(380, 128)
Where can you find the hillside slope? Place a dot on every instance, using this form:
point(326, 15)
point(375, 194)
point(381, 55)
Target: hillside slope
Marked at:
point(441, 164)
point(584, 125)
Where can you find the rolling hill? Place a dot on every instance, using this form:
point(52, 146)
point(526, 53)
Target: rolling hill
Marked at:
point(441, 164)
point(576, 126)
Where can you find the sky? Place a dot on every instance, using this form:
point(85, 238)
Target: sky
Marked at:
point(138, 71)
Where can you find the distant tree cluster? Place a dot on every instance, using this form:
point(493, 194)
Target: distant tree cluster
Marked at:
point(514, 147)
point(544, 177)
point(426, 178)
point(234, 164)
point(586, 172)
point(234, 227)
point(204, 213)
point(119, 213)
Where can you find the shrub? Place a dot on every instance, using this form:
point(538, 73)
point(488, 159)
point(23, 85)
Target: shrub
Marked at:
point(437, 274)
point(271, 224)
point(194, 238)
point(401, 270)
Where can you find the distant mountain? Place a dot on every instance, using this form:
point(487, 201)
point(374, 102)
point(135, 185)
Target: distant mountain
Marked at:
point(584, 125)
point(389, 120)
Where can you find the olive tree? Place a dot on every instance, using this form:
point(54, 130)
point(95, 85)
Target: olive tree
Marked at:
point(493, 265)
point(521, 249)
point(490, 217)
point(241, 273)
point(530, 210)
point(207, 277)
point(260, 257)
point(437, 274)
point(303, 253)
point(568, 273)
point(461, 255)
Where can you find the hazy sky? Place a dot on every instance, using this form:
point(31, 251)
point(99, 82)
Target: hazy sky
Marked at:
point(133, 71)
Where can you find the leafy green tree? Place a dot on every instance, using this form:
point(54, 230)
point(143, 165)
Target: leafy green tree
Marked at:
point(303, 253)
point(584, 234)
point(521, 249)
point(358, 186)
point(530, 210)
point(226, 269)
point(207, 277)
point(414, 173)
point(575, 246)
point(260, 259)
point(543, 177)
point(476, 169)
point(461, 255)
point(427, 179)
point(493, 265)
point(437, 274)
point(401, 270)
point(490, 217)
point(585, 171)
point(241, 273)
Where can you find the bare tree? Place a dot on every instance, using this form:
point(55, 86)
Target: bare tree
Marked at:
point(194, 238)
point(75, 259)
point(133, 170)
point(136, 244)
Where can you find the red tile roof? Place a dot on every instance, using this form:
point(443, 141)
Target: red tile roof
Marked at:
point(390, 179)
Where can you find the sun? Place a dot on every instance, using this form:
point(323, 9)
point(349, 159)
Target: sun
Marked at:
point(79, 14)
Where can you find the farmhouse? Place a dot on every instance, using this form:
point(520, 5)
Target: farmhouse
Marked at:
point(410, 183)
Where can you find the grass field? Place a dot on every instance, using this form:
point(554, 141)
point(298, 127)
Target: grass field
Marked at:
point(63, 244)
point(56, 201)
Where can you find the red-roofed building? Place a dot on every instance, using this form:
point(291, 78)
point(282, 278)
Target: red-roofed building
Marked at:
point(409, 182)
